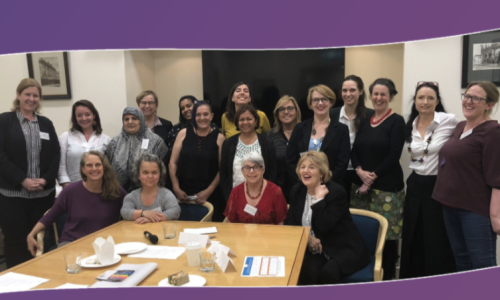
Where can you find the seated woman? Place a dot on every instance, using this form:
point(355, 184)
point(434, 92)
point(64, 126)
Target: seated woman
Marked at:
point(134, 139)
point(256, 200)
point(335, 247)
point(91, 204)
point(151, 202)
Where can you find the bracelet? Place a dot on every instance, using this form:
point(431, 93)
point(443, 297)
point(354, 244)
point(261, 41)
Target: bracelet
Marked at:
point(142, 212)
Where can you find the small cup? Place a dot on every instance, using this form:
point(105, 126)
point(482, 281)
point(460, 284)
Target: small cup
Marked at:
point(73, 262)
point(207, 261)
point(193, 253)
point(169, 230)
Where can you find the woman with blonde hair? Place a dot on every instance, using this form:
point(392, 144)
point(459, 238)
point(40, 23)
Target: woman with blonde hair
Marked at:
point(335, 247)
point(29, 160)
point(468, 181)
point(320, 134)
point(286, 116)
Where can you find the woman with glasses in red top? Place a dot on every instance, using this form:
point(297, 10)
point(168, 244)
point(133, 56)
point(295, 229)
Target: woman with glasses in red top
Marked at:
point(426, 250)
point(468, 182)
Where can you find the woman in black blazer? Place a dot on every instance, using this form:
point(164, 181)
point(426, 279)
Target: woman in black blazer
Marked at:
point(335, 247)
point(29, 162)
point(234, 148)
point(321, 133)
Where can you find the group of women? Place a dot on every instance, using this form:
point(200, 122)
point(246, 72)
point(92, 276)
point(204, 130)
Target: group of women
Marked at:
point(342, 157)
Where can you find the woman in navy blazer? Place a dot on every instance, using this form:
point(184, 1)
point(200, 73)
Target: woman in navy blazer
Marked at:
point(29, 162)
point(321, 133)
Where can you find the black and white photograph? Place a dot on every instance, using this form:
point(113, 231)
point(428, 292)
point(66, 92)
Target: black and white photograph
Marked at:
point(481, 57)
point(51, 70)
point(486, 56)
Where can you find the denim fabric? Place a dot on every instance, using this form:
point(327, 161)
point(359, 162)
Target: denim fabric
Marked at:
point(472, 239)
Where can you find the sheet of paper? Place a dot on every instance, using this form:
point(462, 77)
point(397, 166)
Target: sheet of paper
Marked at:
point(264, 266)
point(201, 230)
point(71, 286)
point(163, 252)
point(15, 282)
point(185, 238)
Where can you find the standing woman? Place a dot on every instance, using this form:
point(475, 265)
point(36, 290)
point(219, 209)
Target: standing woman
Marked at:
point(148, 104)
point(321, 133)
point(426, 250)
point(29, 160)
point(468, 183)
point(379, 184)
point(352, 114)
point(239, 95)
point(84, 135)
point(134, 139)
point(235, 148)
point(286, 116)
point(194, 165)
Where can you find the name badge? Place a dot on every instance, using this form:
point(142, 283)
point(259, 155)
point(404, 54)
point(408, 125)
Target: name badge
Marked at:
point(466, 134)
point(250, 210)
point(145, 143)
point(44, 136)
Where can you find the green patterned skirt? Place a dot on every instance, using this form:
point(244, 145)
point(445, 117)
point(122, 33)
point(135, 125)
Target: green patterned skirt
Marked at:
point(390, 205)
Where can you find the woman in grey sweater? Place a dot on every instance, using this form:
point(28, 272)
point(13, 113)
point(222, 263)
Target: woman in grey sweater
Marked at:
point(151, 202)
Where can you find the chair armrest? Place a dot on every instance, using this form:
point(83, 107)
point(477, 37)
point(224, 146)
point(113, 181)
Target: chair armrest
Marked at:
point(39, 239)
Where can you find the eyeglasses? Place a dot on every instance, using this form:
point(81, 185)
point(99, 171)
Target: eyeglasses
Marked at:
point(144, 103)
point(288, 108)
point(474, 99)
point(435, 83)
point(254, 168)
point(317, 100)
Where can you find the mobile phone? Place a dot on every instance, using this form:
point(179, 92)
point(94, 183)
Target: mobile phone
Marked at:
point(194, 197)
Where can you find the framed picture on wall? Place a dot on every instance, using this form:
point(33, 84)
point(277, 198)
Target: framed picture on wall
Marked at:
point(481, 57)
point(50, 69)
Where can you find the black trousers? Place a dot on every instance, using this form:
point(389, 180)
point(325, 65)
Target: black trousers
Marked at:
point(18, 216)
point(316, 269)
point(347, 182)
point(389, 259)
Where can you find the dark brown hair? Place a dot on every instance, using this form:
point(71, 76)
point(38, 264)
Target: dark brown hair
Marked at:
point(97, 120)
point(243, 109)
point(110, 183)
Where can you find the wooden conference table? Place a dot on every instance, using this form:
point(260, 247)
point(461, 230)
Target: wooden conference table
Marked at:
point(243, 239)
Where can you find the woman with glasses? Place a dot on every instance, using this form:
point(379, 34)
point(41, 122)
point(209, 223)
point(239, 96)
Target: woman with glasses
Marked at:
point(286, 116)
point(468, 182)
point(239, 95)
point(236, 147)
point(426, 250)
point(148, 104)
point(256, 200)
point(321, 133)
point(194, 165)
point(352, 114)
point(379, 185)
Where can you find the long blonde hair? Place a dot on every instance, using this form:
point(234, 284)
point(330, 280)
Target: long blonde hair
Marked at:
point(24, 84)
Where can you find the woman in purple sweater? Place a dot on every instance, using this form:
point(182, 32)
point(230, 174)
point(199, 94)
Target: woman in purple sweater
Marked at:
point(90, 204)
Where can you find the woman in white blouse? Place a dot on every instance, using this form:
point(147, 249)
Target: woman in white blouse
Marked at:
point(85, 135)
point(426, 250)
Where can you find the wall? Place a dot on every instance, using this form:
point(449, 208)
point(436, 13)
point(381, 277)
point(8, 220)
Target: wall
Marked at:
point(373, 62)
point(139, 74)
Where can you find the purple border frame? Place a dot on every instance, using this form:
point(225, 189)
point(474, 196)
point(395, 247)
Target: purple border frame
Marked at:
point(61, 25)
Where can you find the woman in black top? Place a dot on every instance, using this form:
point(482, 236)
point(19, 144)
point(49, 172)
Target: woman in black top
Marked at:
point(286, 116)
point(148, 104)
point(321, 133)
point(352, 114)
point(234, 149)
point(375, 158)
point(194, 165)
point(29, 161)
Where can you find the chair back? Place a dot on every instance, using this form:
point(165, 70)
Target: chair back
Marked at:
point(196, 212)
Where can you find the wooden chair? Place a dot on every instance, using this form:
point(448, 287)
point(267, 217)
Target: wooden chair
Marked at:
point(57, 228)
point(373, 229)
point(206, 209)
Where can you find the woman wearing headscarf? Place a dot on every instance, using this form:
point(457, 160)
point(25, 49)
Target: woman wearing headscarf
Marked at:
point(134, 139)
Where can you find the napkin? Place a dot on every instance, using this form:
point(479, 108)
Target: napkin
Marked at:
point(104, 250)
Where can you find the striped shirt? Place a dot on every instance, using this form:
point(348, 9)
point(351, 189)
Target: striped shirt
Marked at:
point(31, 131)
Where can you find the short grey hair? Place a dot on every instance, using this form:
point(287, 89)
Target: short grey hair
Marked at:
point(148, 157)
point(253, 157)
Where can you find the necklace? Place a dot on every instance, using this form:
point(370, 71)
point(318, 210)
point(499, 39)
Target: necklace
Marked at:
point(320, 140)
point(426, 151)
point(381, 119)
point(201, 138)
point(248, 192)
